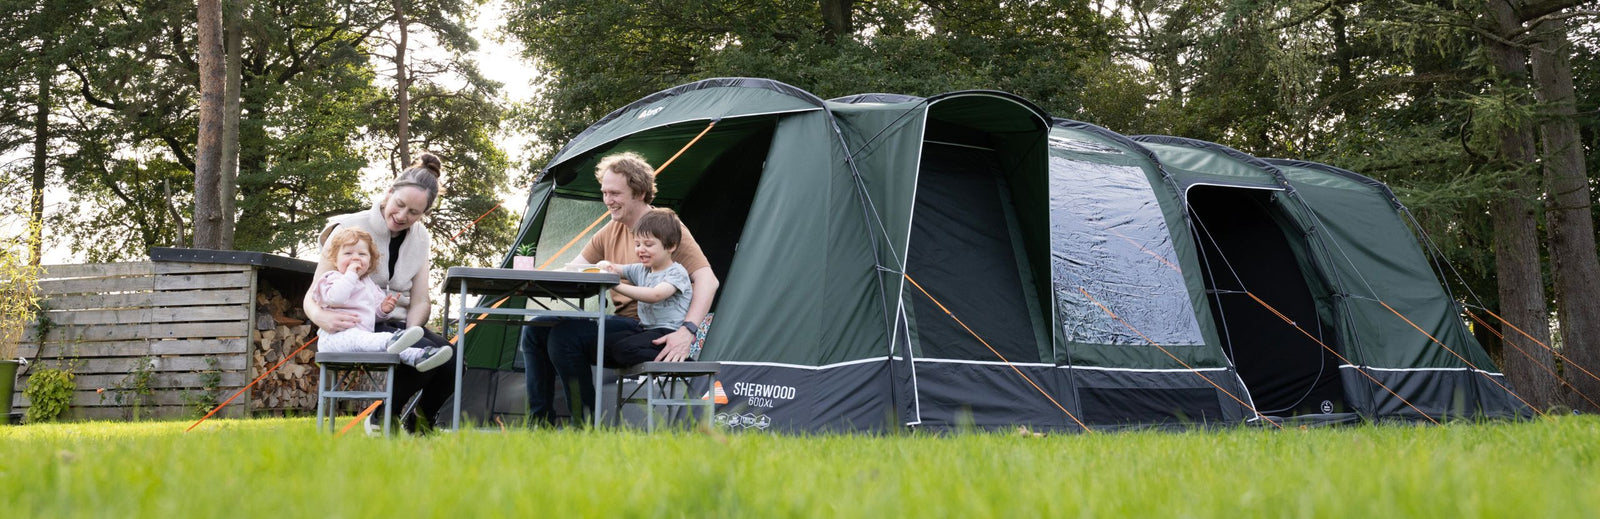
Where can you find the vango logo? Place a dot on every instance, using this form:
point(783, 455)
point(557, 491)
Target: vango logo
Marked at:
point(649, 112)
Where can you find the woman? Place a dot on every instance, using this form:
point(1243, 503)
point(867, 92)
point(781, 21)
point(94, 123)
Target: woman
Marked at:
point(401, 270)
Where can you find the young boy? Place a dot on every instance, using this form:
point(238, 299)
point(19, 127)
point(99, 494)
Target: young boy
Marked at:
point(660, 285)
point(353, 251)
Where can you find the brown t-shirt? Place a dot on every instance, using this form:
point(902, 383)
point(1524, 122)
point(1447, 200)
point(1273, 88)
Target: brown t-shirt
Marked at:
point(614, 243)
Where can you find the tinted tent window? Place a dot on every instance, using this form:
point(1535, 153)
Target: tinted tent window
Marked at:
point(962, 252)
point(564, 219)
point(1108, 238)
point(1245, 248)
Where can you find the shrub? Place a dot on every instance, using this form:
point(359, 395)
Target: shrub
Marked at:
point(49, 394)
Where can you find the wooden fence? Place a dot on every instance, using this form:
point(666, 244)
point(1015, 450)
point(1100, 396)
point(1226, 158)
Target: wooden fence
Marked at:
point(153, 339)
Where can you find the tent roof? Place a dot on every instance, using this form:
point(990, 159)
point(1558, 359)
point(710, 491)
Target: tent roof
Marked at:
point(1329, 176)
point(875, 98)
point(1214, 161)
point(705, 100)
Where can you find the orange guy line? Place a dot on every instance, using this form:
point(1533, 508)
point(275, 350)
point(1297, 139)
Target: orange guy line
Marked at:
point(997, 354)
point(1341, 357)
point(1463, 359)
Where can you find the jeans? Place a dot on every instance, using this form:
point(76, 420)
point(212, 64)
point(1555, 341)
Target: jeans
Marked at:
point(439, 383)
point(560, 356)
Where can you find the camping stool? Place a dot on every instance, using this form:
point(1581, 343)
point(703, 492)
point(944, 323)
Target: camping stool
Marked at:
point(665, 376)
point(341, 371)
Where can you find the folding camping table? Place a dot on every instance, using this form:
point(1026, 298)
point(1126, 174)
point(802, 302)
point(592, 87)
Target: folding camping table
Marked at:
point(494, 285)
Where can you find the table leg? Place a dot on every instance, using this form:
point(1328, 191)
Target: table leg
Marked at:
point(600, 355)
point(460, 353)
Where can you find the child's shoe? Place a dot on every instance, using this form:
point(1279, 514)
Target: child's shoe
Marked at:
point(404, 339)
point(427, 358)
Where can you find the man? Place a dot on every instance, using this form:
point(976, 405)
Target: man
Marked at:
point(563, 353)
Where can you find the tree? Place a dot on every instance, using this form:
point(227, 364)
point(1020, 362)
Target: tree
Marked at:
point(208, 164)
point(1039, 50)
point(229, 177)
point(1574, 266)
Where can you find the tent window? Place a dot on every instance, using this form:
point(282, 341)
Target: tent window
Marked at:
point(1109, 238)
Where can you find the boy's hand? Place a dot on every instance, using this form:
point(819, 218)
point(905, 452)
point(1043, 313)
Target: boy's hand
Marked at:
point(608, 267)
point(388, 303)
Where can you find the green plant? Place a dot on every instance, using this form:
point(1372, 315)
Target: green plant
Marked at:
point(42, 322)
point(200, 402)
point(49, 394)
point(19, 299)
point(526, 249)
point(135, 387)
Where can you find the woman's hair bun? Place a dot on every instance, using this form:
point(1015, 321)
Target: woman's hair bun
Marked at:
point(430, 162)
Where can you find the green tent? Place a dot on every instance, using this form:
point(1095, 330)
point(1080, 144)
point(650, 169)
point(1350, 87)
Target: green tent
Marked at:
point(1322, 295)
point(890, 261)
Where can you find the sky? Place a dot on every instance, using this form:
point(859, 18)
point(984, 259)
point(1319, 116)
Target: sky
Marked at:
point(498, 60)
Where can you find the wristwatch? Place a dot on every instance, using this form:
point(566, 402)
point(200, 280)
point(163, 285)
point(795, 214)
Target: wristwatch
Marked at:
point(694, 329)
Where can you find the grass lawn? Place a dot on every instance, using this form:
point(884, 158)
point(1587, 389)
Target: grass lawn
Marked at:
point(283, 468)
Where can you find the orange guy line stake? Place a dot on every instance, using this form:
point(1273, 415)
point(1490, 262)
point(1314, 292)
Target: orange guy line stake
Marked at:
point(1175, 357)
point(997, 354)
point(1335, 353)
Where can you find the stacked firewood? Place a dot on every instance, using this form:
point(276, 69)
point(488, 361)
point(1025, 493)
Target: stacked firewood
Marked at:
point(280, 330)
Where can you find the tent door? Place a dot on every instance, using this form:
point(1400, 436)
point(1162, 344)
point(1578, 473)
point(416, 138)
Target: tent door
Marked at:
point(1246, 246)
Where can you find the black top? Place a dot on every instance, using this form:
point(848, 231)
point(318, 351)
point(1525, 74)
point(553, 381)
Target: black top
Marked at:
point(394, 248)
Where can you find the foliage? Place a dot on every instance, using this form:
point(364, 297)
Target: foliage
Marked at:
point(49, 394)
point(19, 300)
point(315, 114)
point(202, 401)
point(1528, 469)
point(134, 388)
point(1039, 50)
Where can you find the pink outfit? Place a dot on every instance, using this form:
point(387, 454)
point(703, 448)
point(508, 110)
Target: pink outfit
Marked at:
point(357, 295)
point(354, 293)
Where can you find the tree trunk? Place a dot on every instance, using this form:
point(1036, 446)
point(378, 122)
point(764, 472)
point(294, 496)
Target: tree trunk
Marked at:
point(229, 176)
point(208, 152)
point(836, 19)
point(1574, 267)
point(402, 88)
point(1516, 242)
point(45, 74)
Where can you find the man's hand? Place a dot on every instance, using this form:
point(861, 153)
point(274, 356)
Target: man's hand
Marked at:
point(674, 346)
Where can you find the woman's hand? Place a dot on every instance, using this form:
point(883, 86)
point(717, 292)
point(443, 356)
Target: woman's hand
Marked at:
point(334, 320)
